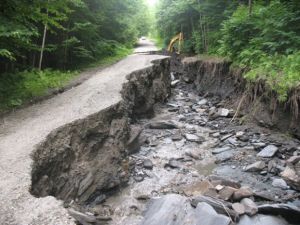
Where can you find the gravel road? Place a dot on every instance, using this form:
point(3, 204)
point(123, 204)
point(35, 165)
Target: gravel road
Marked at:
point(22, 130)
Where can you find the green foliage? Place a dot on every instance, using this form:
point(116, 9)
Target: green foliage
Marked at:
point(19, 87)
point(267, 42)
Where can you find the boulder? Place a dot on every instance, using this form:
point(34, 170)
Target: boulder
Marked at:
point(255, 167)
point(268, 151)
point(243, 192)
point(261, 220)
point(291, 177)
point(238, 208)
point(174, 209)
point(280, 183)
point(250, 207)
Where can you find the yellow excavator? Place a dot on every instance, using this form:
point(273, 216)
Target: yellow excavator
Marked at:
point(179, 38)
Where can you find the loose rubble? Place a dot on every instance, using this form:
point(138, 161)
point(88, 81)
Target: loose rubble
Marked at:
point(196, 167)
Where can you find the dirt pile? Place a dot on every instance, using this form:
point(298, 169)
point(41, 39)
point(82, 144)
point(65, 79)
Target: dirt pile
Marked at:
point(87, 158)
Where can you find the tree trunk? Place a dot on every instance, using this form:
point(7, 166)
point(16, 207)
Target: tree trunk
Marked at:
point(43, 47)
point(250, 7)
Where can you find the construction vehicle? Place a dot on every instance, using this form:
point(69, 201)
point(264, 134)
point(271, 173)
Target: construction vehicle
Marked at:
point(179, 38)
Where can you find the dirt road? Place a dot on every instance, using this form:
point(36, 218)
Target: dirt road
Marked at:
point(22, 130)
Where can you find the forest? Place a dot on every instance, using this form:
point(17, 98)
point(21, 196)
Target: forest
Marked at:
point(44, 42)
point(261, 37)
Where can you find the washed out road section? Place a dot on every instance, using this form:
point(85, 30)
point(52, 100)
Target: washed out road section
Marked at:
point(22, 130)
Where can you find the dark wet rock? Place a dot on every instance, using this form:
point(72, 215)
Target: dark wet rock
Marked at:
point(138, 178)
point(162, 125)
point(99, 200)
point(243, 192)
point(176, 210)
point(134, 143)
point(268, 151)
point(280, 183)
point(289, 212)
point(255, 167)
point(173, 163)
point(238, 208)
point(194, 138)
point(148, 164)
point(250, 207)
point(220, 150)
point(224, 156)
point(261, 220)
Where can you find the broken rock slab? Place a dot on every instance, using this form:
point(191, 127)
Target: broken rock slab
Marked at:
point(194, 138)
point(250, 207)
point(291, 177)
point(175, 209)
point(220, 150)
point(261, 220)
point(268, 151)
point(255, 167)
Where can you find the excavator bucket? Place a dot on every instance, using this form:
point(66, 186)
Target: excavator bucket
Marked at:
point(178, 38)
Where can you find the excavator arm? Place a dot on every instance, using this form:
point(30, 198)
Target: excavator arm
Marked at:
point(179, 38)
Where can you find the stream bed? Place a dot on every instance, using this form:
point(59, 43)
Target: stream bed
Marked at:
point(191, 147)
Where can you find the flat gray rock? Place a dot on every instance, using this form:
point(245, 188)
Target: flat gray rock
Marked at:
point(255, 167)
point(268, 151)
point(220, 150)
point(174, 209)
point(194, 138)
point(224, 156)
point(262, 220)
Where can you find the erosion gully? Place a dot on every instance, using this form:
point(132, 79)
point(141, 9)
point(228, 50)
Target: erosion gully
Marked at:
point(185, 149)
point(193, 160)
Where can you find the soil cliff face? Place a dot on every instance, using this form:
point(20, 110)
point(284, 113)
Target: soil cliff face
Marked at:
point(88, 157)
point(255, 101)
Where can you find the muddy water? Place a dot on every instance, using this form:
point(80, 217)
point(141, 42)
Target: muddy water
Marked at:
point(179, 163)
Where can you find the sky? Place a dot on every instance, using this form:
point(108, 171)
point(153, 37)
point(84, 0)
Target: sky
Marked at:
point(152, 2)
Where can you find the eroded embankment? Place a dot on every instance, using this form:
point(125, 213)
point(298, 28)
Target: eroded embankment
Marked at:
point(86, 158)
point(255, 100)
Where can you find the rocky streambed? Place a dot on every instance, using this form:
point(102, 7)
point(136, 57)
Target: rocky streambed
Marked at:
point(195, 167)
point(189, 163)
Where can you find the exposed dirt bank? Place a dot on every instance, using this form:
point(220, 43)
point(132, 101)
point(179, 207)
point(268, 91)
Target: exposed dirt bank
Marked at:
point(20, 131)
point(254, 100)
point(87, 158)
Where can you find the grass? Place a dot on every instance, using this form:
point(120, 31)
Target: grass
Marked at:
point(19, 88)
